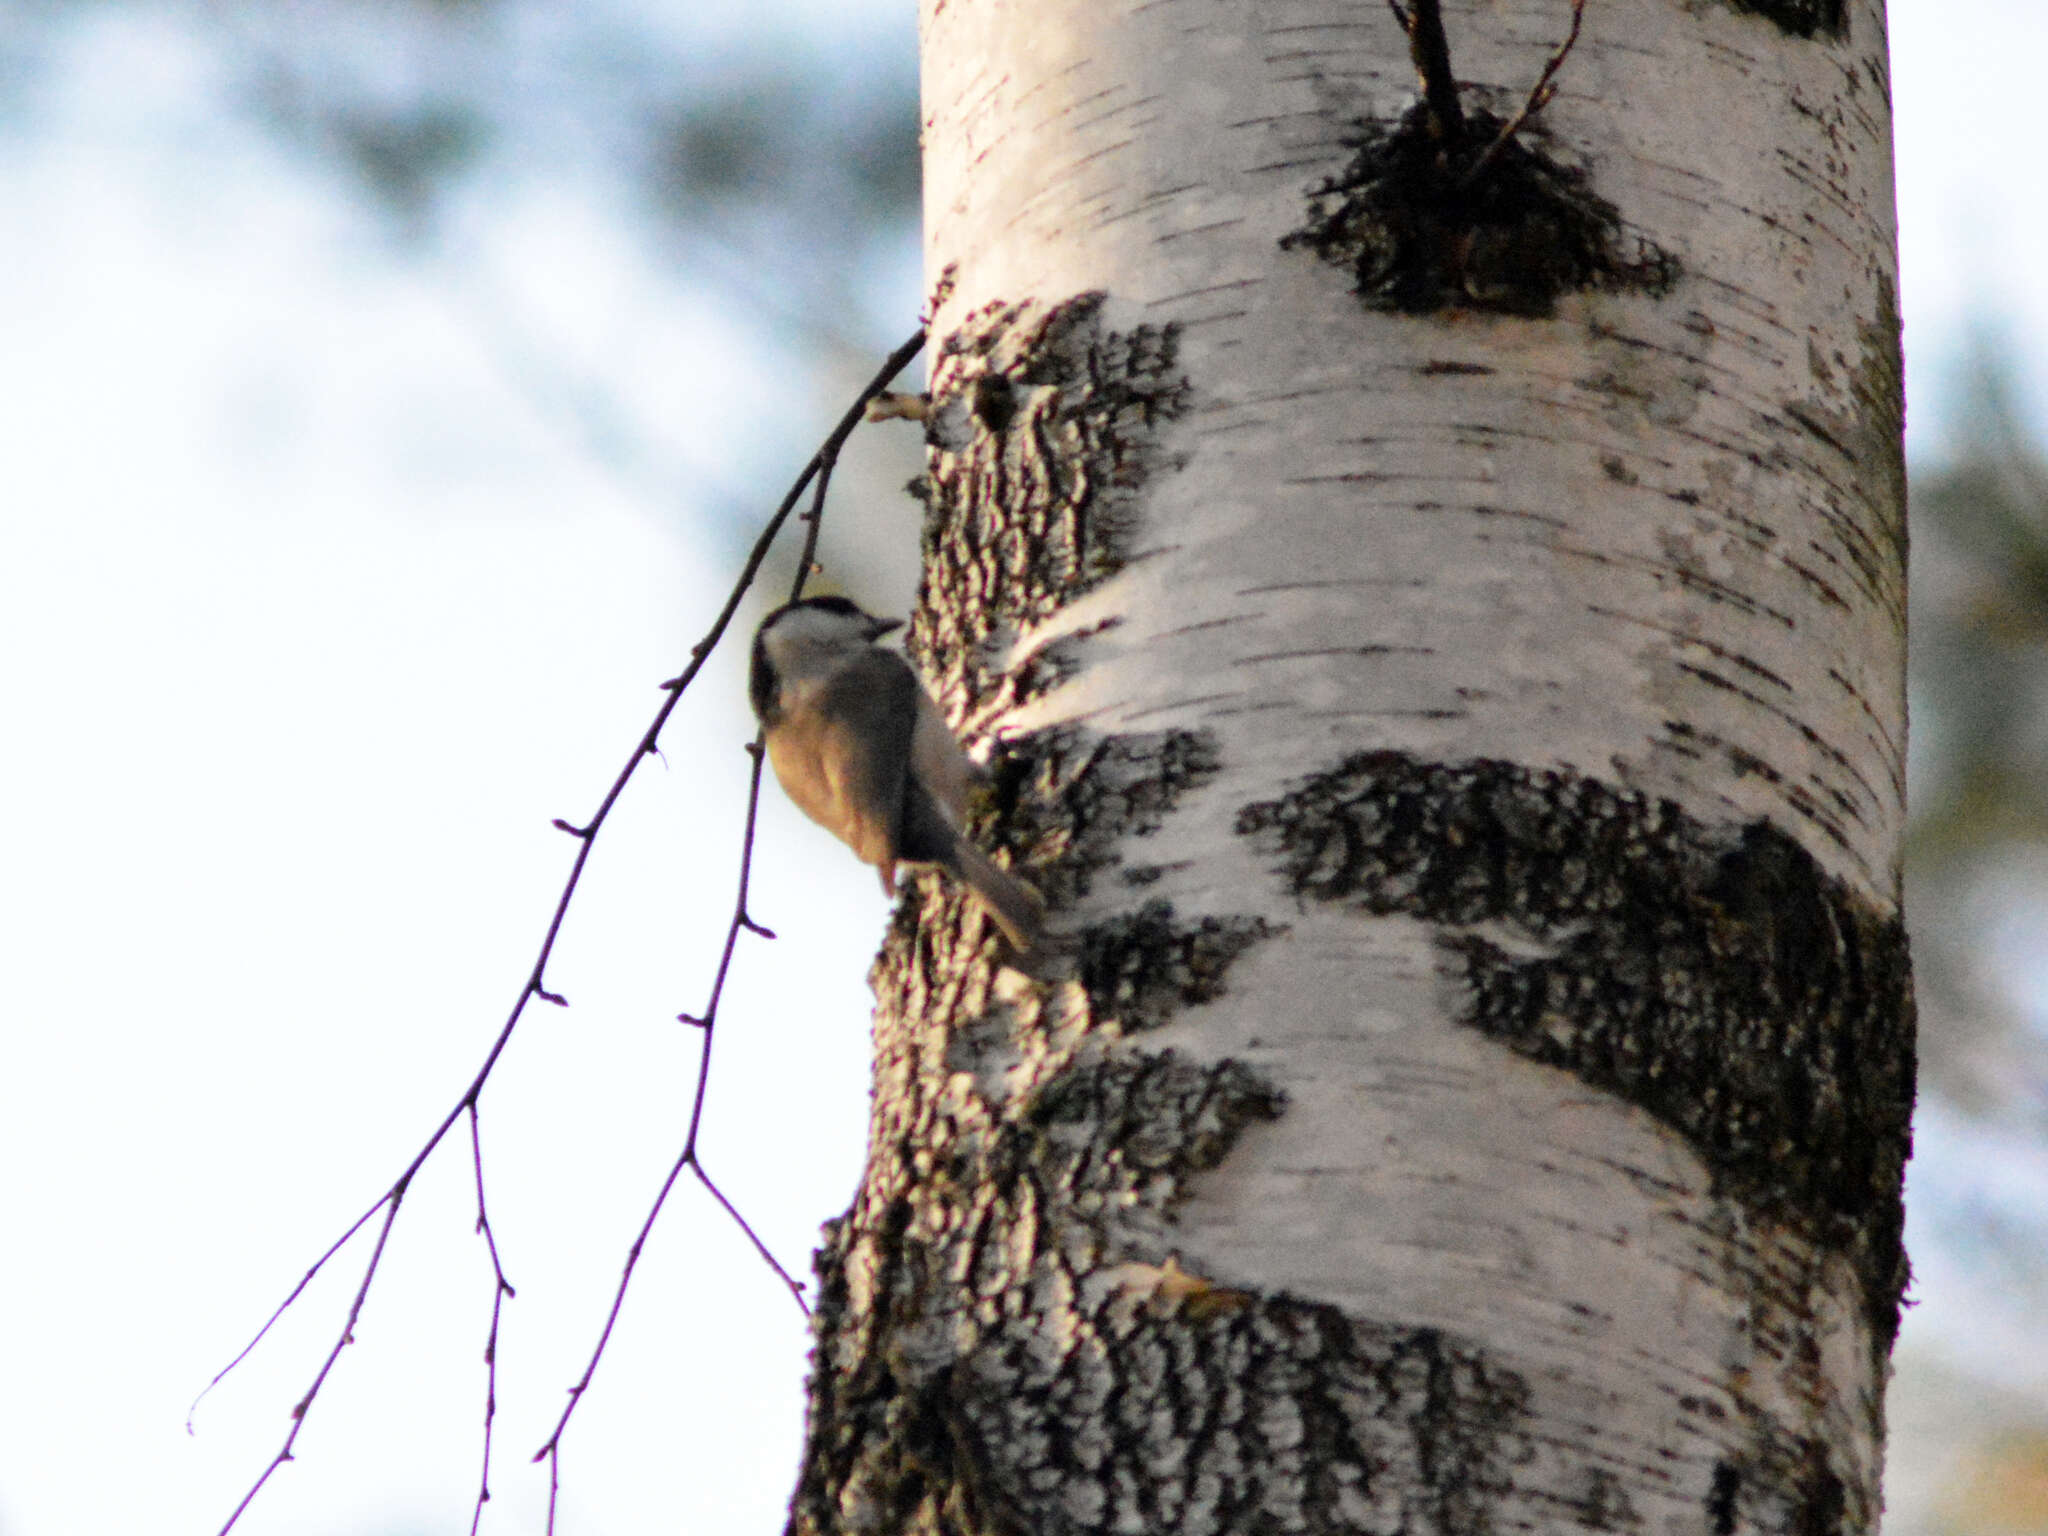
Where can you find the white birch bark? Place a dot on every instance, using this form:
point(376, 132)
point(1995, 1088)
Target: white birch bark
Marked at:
point(1543, 681)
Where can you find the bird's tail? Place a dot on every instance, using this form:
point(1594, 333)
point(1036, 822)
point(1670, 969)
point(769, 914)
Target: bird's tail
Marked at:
point(1014, 903)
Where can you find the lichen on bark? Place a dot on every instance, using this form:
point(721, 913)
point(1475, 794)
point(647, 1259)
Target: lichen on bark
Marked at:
point(1716, 977)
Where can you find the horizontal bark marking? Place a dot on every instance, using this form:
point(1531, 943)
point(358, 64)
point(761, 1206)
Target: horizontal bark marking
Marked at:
point(1715, 976)
point(1859, 418)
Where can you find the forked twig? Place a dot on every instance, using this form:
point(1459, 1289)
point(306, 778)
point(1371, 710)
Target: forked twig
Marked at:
point(742, 921)
point(1539, 97)
point(818, 469)
point(1423, 22)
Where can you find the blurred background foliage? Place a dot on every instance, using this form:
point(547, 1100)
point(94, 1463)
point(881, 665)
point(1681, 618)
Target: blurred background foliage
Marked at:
point(760, 164)
point(746, 182)
point(1977, 851)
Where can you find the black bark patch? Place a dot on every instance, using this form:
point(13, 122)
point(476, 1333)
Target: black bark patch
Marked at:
point(1069, 799)
point(1823, 1500)
point(1418, 231)
point(1111, 1126)
point(1801, 18)
point(1721, 1499)
point(1124, 1413)
point(1142, 968)
point(1285, 1418)
point(1721, 981)
point(1042, 430)
point(1783, 1482)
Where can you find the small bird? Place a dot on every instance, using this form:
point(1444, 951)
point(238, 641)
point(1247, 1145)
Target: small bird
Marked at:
point(862, 749)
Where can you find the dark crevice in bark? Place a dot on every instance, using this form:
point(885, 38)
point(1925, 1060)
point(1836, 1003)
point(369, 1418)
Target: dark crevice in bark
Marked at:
point(1418, 231)
point(1073, 798)
point(1827, 19)
point(1714, 976)
point(1600, 1502)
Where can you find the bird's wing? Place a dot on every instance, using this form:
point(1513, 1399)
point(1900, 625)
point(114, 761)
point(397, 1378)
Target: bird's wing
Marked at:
point(868, 713)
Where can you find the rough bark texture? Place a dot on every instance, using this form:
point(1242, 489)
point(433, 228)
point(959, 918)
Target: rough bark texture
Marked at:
point(1007, 1340)
point(1464, 754)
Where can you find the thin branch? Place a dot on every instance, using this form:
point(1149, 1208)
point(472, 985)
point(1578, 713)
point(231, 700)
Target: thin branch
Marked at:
point(828, 453)
point(814, 523)
point(1538, 98)
point(794, 1285)
point(284, 1306)
point(551, 1451)
point(501, 1288)
point(819, 467)
point(347, 1337)
point(1431, 51)
point(707, 1022)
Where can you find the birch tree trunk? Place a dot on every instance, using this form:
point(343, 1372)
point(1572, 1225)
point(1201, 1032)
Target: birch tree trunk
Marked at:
point(1439, 639)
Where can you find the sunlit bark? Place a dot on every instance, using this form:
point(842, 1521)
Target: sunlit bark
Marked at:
point(1461, 731)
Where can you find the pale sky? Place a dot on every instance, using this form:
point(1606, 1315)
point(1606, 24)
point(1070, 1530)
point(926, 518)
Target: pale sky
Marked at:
point(314, 618)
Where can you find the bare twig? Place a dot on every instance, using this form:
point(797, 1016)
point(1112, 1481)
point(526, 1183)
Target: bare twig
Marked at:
point(742, 921)
point(552, 1451)
point(1538, 98)
point(284, 1306)
point(818, 469)
point(1431, 51)
point(794, 1285)
point(347, 1337)
point(500, 1289)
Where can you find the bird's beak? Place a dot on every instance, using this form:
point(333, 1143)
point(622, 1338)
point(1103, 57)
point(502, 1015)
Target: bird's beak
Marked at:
point(880, 627)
